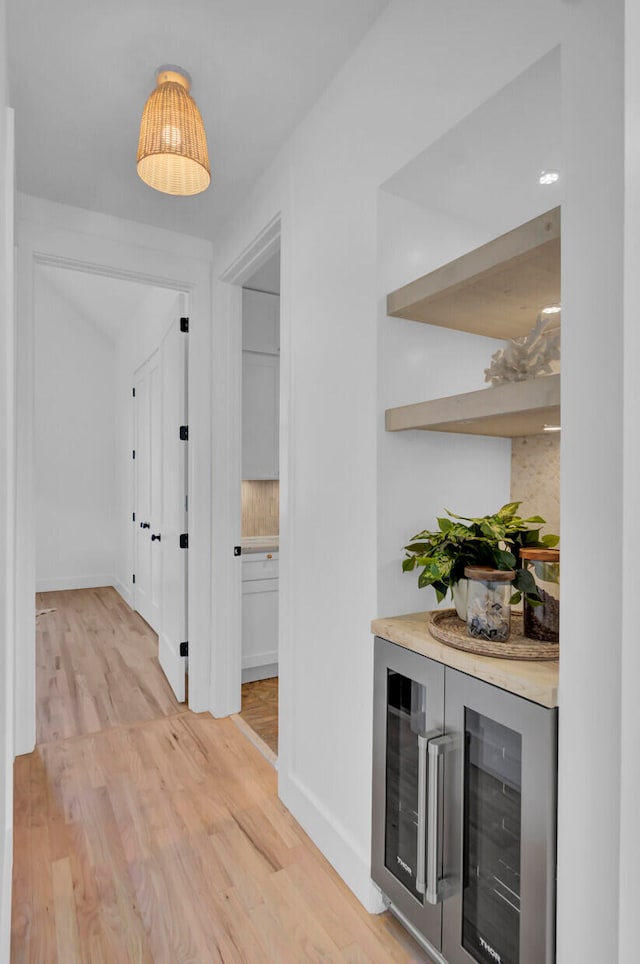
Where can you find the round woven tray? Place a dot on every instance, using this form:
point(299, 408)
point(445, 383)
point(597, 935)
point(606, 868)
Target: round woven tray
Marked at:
point(445, 626)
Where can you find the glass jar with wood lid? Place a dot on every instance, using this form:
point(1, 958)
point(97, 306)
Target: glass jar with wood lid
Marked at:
point(488, 606)
point(542, 621)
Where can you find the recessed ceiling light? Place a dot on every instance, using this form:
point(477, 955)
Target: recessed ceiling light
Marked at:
point(548, 177)
point(552, 310)
point(552, 428)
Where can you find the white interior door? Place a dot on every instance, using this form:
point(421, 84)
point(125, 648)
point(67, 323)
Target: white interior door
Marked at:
point(148, 490)
point(174, 507)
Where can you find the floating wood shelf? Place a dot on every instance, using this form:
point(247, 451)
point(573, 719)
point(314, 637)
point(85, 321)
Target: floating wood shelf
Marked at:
point(496, 290)
point(507, 411)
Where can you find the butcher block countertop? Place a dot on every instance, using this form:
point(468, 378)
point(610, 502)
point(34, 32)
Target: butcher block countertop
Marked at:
point(259, 543)
point(532, 679)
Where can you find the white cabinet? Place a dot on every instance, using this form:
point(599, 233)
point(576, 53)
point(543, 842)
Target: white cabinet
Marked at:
point(260, 415)
point(260, 384)
point(259, 616)
point(260, 321)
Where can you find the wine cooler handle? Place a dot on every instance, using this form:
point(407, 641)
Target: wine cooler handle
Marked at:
point(437, 748)
point(423, 745)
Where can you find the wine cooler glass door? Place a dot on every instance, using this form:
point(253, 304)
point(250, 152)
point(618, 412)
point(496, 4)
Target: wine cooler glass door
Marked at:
point(406, 722)
point(492, 838)
point(499, 831)
point(408, 711)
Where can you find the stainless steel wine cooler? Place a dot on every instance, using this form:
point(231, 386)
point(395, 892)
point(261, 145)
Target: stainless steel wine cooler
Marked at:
point(464, 811)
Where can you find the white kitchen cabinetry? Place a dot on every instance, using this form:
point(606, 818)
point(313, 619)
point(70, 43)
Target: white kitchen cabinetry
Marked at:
point(260, 384)
point(260, 415)
point(260, 322)
point(259, 616)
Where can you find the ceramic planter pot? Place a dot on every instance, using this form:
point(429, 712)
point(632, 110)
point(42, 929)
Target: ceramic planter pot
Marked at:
point(459, 594)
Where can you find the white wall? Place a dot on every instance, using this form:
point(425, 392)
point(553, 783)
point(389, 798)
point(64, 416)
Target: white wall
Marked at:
point(84, 434)
point(7, 463)
point(591, 487)
point(630, 704)
point(421, 69)
point(75, 444)
point(420, 474)
point(141, 335)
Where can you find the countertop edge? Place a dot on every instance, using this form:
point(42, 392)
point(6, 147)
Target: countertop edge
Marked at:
point(535, 680)
point(253, 544)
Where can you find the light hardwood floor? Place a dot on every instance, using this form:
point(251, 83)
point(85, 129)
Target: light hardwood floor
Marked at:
point(161, 839)
point(96, 665)
point(260, 710)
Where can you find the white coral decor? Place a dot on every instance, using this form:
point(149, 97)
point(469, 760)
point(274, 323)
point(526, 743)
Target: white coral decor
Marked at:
point(525, 357)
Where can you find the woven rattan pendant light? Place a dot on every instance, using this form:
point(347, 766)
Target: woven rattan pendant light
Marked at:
point(172, 149)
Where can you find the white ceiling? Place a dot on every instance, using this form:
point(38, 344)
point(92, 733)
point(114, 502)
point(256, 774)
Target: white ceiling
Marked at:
point(107, 303)
point(80, 72)
point(485, 170)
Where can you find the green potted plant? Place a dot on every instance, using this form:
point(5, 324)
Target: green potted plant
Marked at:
point(492, 541)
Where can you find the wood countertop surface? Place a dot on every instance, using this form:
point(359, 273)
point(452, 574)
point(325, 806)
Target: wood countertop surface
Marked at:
point(259, 543)
point(535, 680)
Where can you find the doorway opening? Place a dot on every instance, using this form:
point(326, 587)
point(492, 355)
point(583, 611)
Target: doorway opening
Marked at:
point(102, 345)
point(260, 499)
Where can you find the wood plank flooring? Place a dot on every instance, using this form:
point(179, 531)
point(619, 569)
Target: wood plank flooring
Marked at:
point(96, 665)
point(260, 709)
point(163, 840)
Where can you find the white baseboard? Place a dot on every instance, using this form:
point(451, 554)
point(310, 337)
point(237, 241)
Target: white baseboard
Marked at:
point(173, 666)
point(260, 659)
point(333, 840)
point(254, 673)
point(126, 594)
point(6, 867)
point(60, 583)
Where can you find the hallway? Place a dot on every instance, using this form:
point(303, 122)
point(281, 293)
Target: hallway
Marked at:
point(147, 833)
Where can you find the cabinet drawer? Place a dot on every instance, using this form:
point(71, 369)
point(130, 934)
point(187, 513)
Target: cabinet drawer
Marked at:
point(260, 565)
point(256, 586)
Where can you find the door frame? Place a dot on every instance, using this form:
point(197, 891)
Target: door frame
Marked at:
point(101, 245)
point(227, 515)
point(135, 502)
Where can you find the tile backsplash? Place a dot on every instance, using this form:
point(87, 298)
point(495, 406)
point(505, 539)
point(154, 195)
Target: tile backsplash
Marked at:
point(535, 477)
point(260, 508)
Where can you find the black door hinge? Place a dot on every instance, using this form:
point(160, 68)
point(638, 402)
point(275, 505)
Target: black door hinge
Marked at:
point(237, 550)
point(184, 324)
point(184, 433)
point(134, 577)
point(134, 392)
point(133, 519)
point(184, 649)
point(184, 540)
point(134, 454)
